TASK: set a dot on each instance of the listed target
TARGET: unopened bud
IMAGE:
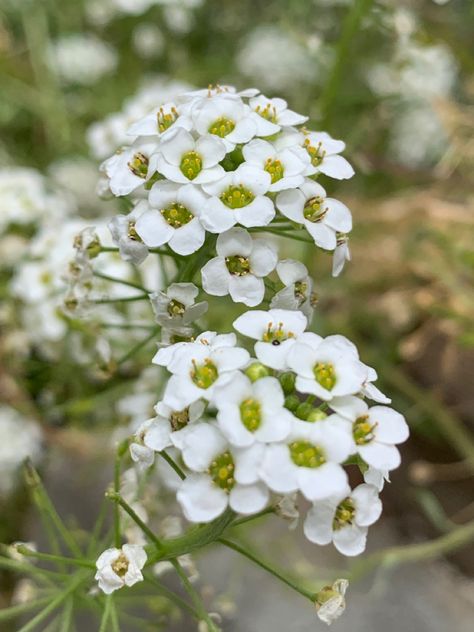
(330, 602)
(287, 381)
(292, 402)
(316, 415)
(256, 370)
(303, 411)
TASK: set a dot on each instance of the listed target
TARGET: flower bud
(304, 410)
(316, 415)
(256, 370)
(287, 381)
(292, 402)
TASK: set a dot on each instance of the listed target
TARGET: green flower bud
(287, 381)
(303, 411)
(292, 402)
(316, 415)
(257, 370)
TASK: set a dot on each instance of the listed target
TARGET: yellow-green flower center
(191, 164)
(363, 430)
(176, 215)
(301, 289)
(179, 419)
(120, 566)
(204, 375)
(221, 471)
(344, 514)
(275, 169)
(237, 265)
(276, 334)
(164, 120)
(314, 210)
(325, 375)
(251, 414)
(175, 308)
(132, 233)
(306, 454)
(222, 126)
(237, 196)
(315, 153)
(268, 112)
(138, 165)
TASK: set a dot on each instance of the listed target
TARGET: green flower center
(315, 153)
(221, 126)
(164, 120)
(306, 454)
(276, 334)
(191, 164)
(344, 515)
(221, 471)
(237, 196)
(138, 165)
(314, 210)
(120, 566)
(175, 308)
(325, 375)
(362, 430)
(237, 265)
(268, 112)
(179, 419)
(132, 233)
(301, 289)
(177, 215)
(250, 414)
(275, 169)
(204, 375)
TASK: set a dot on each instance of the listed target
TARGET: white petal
(291, 204)
(235, 241)
(246, 289)
(336, 167)
(248, 499)
(216, 277)
(338, 216)
(216, 217)
(260, 212)
(351, 540)
(324, 236)
(277, 470)
(322, 482)
(200, 499)
(230, 423)
(349, 407)
(263, 258)
(173, 149)
(318, 523)
(157, 437)
(211, 148)
(391, 426)
(202, 444)
(291, 271)
(380, 456)
(188, 238)
(247, 463)
(153, 229)
(274, 356)
(367, 503)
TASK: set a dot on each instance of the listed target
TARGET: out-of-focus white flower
(81, 58)
(344, 519)
(120, 567)
(240, 267)
(123, 231)
(148, 40)
(20, 438)
(177, 307)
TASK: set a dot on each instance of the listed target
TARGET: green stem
(106, 614)
(114, 617)
(112, 279)
(245, 519)
(201, 611)
(121, 299)
(138, 521)
(15, 611)
(170, 595)
(66, 621)
(44, 503)
(267, 567)
(282, 233)
(172, 463)
(349, 29)
(139, 346)
(48, 557)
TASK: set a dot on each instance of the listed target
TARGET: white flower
(239, 267)
(226, 117)
(122, 229)
(182, 159)
(271, 115)
(120, 567)
(341, 254)
(344, 519)
(238, 197)
(330, 602)
(326, 367)
(177, 307)
(287, 508)
(174, 218)
(163, 121)
(222, 475)
(322, 217)
(285, 167)
(81, 58)
(275, 331)
(156, 434)
(375, 431)
(129, 169)
(298, 291)
(308, 460)
(199, 367)
(377, 478)
(248, 412)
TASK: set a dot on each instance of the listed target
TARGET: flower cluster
(286, 421)
(214, 159)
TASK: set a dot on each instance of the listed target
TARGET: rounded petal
(230, 423)
(324, 236)
(247, 463)
(322, 482)
(336, 167)
(277, 470)
(246, 289)
(216, 277)
(174, 148)
(248, 499)
(291, 271)
(235, 241)
(318, 523)
(391, 426)
(263, 258)
(350, 540)
(338, 216)
(157, 437)
(260, 212)
(274, 356)
(188, 238)
(202, 444)
(216, 217)
(291, 204)
(200, 499)
(153, 229)
(380, 455)
(368, 504)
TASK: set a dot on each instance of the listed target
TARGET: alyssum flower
(176, 308)
(120, 567)
(239, 267)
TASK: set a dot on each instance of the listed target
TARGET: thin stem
(170, 595)
(282, 233)
(121, 299)
(112, 279)
(66, 621)
(267, 567)
(15, 611)
(245, 519)
(155, 251)
(138, 521)
(172, 463)
(194, 596)
(43, 501)
(114, 617)
(138, 346)
(47, 557)
(106, 614)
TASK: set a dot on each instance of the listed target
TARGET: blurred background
(394, 80)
